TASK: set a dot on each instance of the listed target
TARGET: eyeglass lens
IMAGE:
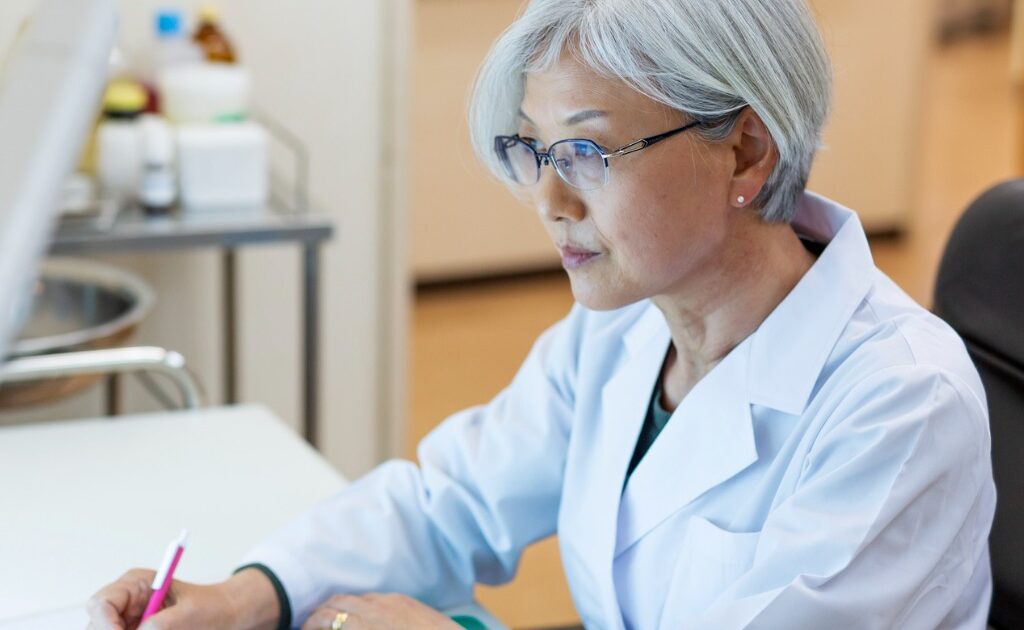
(519, 159)
(578, 162)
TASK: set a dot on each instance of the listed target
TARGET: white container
(204, 93)
(119, 159)
(222, 165)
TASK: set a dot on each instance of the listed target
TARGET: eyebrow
(575, 119)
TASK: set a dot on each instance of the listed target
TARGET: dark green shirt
(657, 418)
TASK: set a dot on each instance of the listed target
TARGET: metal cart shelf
(226, 230)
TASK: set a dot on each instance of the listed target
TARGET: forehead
(569, 86)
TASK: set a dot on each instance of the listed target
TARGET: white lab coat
(832, 471)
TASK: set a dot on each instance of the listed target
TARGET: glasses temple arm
(643, 143)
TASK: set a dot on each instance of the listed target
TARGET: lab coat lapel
(624, 401)
(625, 398)
(708, 440)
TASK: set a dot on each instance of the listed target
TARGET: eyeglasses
(581, 163)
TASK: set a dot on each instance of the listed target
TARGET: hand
(119, 606)
(375, 611)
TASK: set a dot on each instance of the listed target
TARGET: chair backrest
(980, 292)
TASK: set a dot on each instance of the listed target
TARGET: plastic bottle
(173, 47)
(118, 67)
(211, 39)
(119, 141)
(157, 183)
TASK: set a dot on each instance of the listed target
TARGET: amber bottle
(211, 39)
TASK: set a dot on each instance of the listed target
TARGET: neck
(724, 301)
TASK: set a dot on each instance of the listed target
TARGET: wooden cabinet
(869, 159)
(464, 223)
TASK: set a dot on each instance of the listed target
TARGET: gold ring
(339, 621)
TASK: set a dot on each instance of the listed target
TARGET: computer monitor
(50, 88)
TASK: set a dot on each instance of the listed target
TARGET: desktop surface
(86, 500)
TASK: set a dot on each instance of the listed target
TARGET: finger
(103, 615)
(323, 618)
(319, 619)
(392, 599)
(122, 602)
(174, 616)
(348, 603)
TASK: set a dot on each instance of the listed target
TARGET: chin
(598, 298)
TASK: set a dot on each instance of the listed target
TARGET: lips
(576, 257)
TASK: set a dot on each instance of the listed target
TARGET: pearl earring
(741, 199)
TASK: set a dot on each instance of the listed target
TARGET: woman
(742, 423)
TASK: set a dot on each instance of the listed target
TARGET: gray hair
(706, 58)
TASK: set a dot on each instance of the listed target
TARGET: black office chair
(980, 292)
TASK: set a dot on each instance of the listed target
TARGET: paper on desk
(73, 618)
(76, 617)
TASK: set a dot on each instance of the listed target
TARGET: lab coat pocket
(710, 560)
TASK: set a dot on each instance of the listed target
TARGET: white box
(204, 92)
(222, 165)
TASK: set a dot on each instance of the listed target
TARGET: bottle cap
(124, 98)
(168, 22)
(209, 13)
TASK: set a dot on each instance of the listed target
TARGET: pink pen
(164, 577)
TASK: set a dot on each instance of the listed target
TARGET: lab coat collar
(789, 350)
(777, 366)
(790, 347)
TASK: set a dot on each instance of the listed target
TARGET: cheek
(648, 225)
(663, 211)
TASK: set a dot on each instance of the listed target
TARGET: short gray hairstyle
(706, 58)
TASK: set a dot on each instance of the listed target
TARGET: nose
(555, 200)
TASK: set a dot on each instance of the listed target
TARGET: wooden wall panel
(466, 224)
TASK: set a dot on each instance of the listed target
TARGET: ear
(755, 158)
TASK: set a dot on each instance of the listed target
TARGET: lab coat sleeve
(489, 483)
(889, 518)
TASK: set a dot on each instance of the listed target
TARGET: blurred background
(434, 281)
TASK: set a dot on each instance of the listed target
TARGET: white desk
(79, 509)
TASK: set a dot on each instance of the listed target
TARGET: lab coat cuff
(299, 588)
(284, 621)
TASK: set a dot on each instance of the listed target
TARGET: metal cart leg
(113, 395)
(310, 335)
(230, 328)
(310, 341)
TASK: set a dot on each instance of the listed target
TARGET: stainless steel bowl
(77, 305)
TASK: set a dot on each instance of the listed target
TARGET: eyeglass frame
(544, 157)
